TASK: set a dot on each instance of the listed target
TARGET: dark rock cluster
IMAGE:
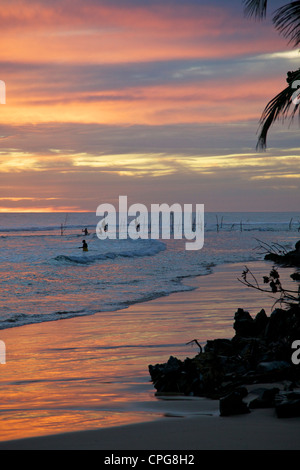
(292, 258)
(259, 353)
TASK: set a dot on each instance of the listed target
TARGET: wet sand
(260, 430)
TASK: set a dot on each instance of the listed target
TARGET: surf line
(162, 221)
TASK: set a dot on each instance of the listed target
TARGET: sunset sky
(156, 100)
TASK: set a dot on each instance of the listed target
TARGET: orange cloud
(94, 33)
(210, 100)
(44, 37)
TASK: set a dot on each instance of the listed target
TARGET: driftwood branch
(274, 248)
(196, 342)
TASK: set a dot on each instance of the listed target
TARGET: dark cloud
(68, 79)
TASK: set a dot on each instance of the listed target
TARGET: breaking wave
(143, 248)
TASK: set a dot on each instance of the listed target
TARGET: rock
(172, 365)
(277, 325)
(166, 377)
(295, 276)
(193, 377)
(271, 366)
(251, 351)
(261, 321)
(266, 398)
(272, 371)
(223, 347)
(292, 258)
(283, 326)
(232, 404)
(260, 352)
(287, 404)
(244, 324)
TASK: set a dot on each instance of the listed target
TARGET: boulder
(287, 404)
(233, 404)
(260, 352)
(223, 347)
(277, 325)
(295, 276)
(272, 366)
(261, 321)
(265, 399)
(244, 324)
(166, 377)
(292, 258)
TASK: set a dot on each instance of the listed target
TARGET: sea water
(46, 276)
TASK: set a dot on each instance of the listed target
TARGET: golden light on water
(86, 372)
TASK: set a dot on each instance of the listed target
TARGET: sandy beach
(144, 421)
(260, 430)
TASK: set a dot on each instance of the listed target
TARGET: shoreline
(259, 430)
(158, 422)
(261, 266)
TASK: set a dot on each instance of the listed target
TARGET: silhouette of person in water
(85, 231)
(84, 246)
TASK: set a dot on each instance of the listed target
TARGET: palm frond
(278, 107)
(287, 21)
(257, 8)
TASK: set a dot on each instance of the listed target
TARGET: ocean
(45, 275)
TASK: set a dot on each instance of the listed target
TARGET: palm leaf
(257, 8)
(287, 21)
(277, 108)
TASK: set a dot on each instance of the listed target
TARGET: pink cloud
(95, 33)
